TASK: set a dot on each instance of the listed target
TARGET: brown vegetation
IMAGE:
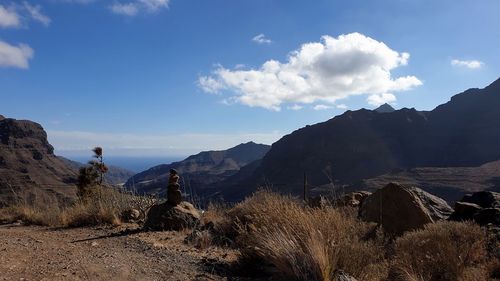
(300, 242)
(305, 243)
(104, 205)
(442, 251)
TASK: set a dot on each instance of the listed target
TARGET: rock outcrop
(481, 207)
(485, 199)
(166, 216)
(464, 211)
(29, 170)
(399, 208)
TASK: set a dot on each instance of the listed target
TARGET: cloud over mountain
(325, 71)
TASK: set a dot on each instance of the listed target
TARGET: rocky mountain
(385, 108)
(29, 170)
(364, 144)
(199, 171)
(114, 176)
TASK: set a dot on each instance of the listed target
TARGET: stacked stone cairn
(174, 195)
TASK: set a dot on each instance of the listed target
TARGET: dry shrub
(305, 243)
(200, 239)
(442, 251)
(105, 206)
(32, 215)
(220, 224)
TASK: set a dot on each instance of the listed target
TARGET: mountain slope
(28, 166)
(365, 143)
(199, 171)
(450, 183)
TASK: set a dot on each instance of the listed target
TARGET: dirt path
(40, 253)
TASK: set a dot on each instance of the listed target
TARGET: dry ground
(42, 253)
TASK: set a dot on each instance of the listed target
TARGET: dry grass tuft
(31, 215)
(443, 251)
(305, 243)
(105, 206)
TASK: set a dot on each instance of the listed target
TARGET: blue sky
(170, 78)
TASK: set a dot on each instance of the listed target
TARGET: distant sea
(134, 164)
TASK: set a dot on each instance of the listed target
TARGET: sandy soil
(41, 253)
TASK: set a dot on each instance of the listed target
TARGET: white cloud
(342, 106)
(380, 99)
(77, 1)
(127, 144)
(210, 85)
(15, 56)
(261, 39)
(129, 9)
(36, 14)
(17, 15)
(154, 5)
(471, 64)
(9, 17)
(132, 8)
(321, 107)
(325, 71)
(295, 107)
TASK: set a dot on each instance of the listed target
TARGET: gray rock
(401, 208)
(343, 276)
(131, 215)
(464, 211)
(485, 199)
(171, 217)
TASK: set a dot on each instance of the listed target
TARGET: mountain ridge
(200, 170)
(363, 144)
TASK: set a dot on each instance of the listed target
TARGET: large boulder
(166, 216)
(464, 211)
(437, 207)
(399, 208)
(485, 199)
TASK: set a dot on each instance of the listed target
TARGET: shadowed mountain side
(198, 171)
(364, 144)
(28, 166)
(448, 183)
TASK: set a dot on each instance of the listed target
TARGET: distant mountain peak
(1, 117)
(385, 108)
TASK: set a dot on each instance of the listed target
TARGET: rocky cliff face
(28, 167)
